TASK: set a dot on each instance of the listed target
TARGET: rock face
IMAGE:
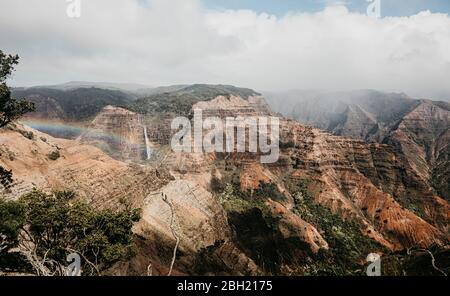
(233, 106)
(373, 183)
(118, 132)
(366, 182)
(365, 114)
(88, 171)
(419, 129)
(226, 213)
(184, 216)
(291, 226)
(423, 135)
(184, 210)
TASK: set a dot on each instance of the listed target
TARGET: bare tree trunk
(174, 233)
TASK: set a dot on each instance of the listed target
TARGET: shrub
(348, 246)
(53, 226)
(216, 185)
(12, 218)
(5, 177)
(27, 134)
(54, 155)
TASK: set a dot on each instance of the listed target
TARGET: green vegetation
(264, 243)
(417, 262)
(77, 104)
(216, 185)
(441, 174)
(54, 155)
(348, 246)
(27, 134)
(233, 200)
(180, 101)
(10, 108)
(48, 227)
(12, 218)
(255, 228)
(5, 177)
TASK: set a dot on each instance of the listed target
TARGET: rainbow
(74, 130)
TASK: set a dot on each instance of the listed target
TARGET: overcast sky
(257, 44)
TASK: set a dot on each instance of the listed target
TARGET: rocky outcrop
(291, 226)
(41, 161)
(355, 180)
(417, 129)
(423, 136)
(187, 210)
(233, 106)
(118, 132)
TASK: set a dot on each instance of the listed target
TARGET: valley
(375, 182)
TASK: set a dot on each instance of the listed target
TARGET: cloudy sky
(262, 44)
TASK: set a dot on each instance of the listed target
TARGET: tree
(10, 108)
(12, 219)
(56, 225)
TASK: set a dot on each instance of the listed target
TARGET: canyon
(332, 198)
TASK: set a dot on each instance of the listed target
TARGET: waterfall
(148, 150)
(147, 143)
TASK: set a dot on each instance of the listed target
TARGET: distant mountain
(65, 110)
(362, 114)
(75, 104)
(179, 99)
(418, 128)
(78, 101)
(129, 87)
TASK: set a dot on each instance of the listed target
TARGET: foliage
(54, 225)
(180, 101)
(79, 103)
(418, 262)
(5, 177)
(256, 228)
(27, 134)
(269, 190)
(10, 109)
(216, 185)
(233, 200)
(54, 155)
(348, 246)
(12, 218)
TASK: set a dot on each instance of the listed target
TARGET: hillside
(365, 189)
(179, 100)
(76, 104)
(418, 128)
(41, 161)
(364, 114)
(325, 205)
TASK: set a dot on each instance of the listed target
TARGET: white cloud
(179, 41)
